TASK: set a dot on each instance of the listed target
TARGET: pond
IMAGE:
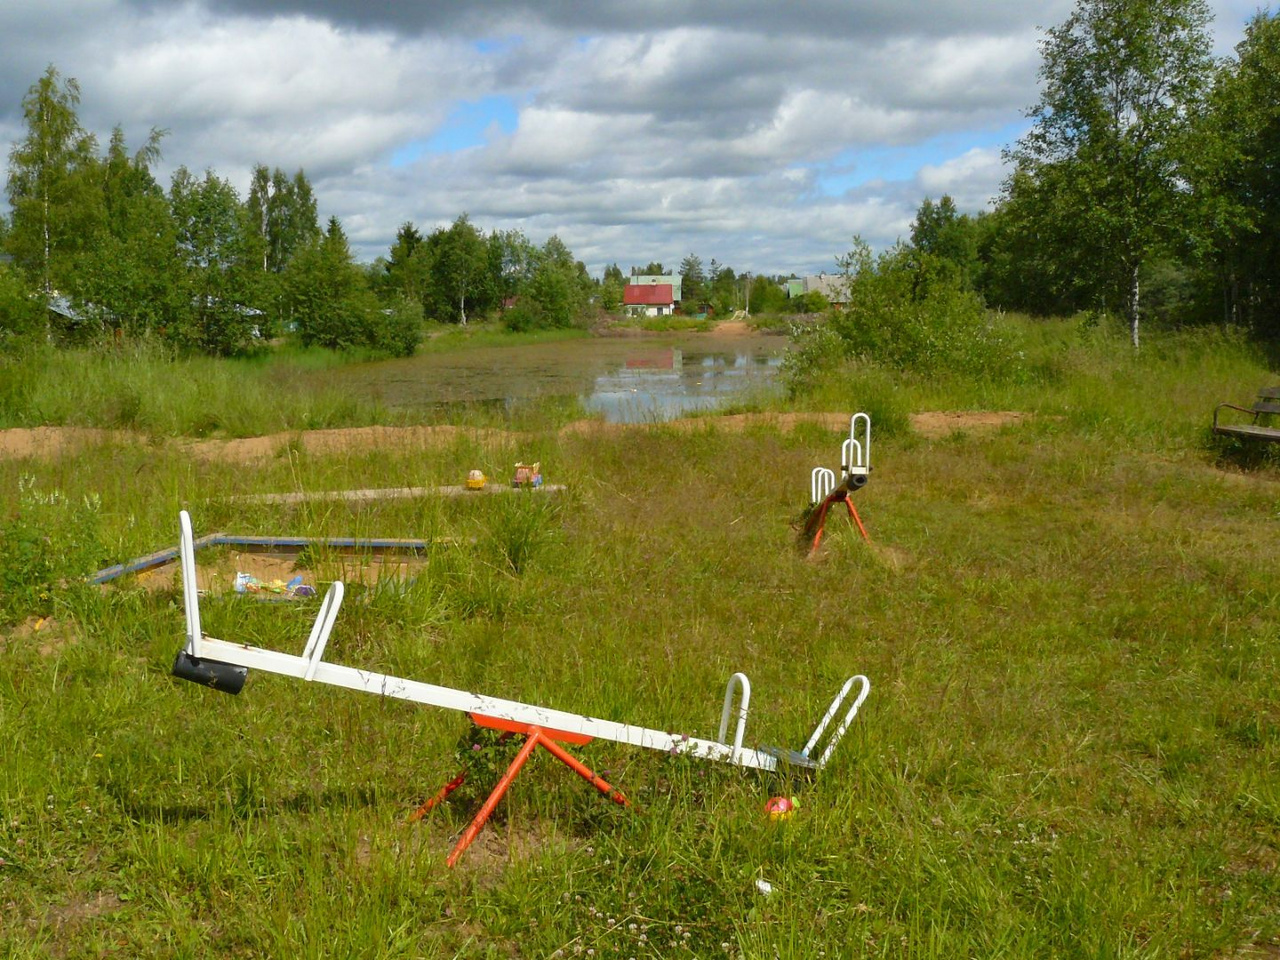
(624, 380)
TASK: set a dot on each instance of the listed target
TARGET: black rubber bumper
(210, 673)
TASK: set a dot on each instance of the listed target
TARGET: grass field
(1070, 749)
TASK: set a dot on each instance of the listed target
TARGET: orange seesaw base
(839, 494)
(534, 737)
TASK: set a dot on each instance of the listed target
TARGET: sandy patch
(21, 442)
(344, 440)
(54, 441)
(86, 907)
(49, 634)
(935, 424)
(219, 576)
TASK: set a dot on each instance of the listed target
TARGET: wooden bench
(1266, 406)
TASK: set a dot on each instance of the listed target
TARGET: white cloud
(972, 178)
(645, 130)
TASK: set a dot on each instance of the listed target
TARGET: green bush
(22, 314)
(48, 539)
(524, 315)
(907, 310)
(399, 331)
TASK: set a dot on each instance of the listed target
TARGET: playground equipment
(223, 665)
(855, 470)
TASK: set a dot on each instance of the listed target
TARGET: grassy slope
(1069, 750)
(141, 387)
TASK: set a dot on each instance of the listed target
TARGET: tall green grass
(1078, 372)
(1070, 625)
(143, 387)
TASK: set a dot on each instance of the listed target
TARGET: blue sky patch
(464, 128)
(496, 45)
(857, 167)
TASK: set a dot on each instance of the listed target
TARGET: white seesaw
(855, 470)
(224, 666)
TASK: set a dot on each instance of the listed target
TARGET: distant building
(833, 286)
(648, 300)
(651, 280)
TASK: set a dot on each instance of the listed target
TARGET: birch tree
(56, 205)
(1112, 137)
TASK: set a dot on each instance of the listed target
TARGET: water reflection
(659, 385)
(621, 380)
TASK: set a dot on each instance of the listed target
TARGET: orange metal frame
(842, 493)
(535, 737)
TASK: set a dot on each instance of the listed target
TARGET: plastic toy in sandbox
(223, 665)
(527, 475)
(855, 470)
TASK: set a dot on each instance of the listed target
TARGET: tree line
(1148, 185)
(97, 236)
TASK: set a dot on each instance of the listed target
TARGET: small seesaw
(224, 665)
(855, 470)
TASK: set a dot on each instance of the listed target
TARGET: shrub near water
(142, 385)
(907, 310)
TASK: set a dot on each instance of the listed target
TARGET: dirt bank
(53, 442)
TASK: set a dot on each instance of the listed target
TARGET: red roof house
(652, 300)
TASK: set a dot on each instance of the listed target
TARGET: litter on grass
(248, 583)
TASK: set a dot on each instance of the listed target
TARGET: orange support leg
(585, 772)
(856, 519)
(534, 737)
(820, 518)
(444, 792)
(486, 811)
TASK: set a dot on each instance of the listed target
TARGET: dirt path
(53, 442)
(934, 424)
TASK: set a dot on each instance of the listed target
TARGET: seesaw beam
(449, 698)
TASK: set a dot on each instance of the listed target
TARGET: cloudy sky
(761, 133)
